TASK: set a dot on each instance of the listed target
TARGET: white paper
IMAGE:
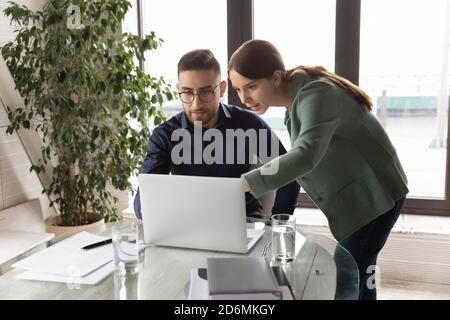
(14, 243)
(66, 258)
(198, 288)
(92, 278)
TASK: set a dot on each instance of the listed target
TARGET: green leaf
(82, 90)
(95, 133)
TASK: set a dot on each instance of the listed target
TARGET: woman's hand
(245, 184)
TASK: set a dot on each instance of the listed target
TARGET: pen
(97, 244)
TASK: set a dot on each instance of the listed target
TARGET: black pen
(97, 244)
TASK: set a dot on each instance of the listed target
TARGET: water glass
(283, 237)
(126, 287)
(125, 239)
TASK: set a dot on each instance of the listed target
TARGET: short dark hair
(201, 59)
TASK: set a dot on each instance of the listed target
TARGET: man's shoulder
(169, 125)
(241, 114)
(236, 110)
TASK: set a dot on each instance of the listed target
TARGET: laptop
(195, 212)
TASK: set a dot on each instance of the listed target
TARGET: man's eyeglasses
(204, 95)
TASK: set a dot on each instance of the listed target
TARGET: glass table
(322, 270)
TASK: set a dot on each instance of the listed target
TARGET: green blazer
(340, 154)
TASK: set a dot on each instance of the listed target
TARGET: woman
(340, 153)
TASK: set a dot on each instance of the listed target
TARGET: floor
(398, 289)
(404, 290)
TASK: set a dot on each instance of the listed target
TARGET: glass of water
(125, 239)
(126, 288)
(283, 237)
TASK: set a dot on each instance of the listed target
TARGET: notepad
(92, 278)
(199, 290)
(66, 257)
(242, 278)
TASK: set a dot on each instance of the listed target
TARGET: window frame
(240, 28)
(347, 55)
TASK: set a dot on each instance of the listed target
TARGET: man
(218, 140)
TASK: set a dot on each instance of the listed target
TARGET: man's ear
(178, 86)
(276, 77)
(223, 87)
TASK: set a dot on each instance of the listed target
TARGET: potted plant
(86, 96)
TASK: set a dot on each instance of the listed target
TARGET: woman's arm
(245, 184)
(316, 107)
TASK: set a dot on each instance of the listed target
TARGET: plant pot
(52, 225)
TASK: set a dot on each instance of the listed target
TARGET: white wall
(17, 184)
(6, 30)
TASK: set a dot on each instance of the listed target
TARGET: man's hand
(245, 184)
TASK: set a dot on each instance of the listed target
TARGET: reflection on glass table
(321, 270)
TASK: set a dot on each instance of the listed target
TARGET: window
(303, 31)
(130, 22)
(397, 50)
(184, 26)
(404, 68)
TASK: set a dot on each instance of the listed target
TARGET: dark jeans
(366, 243)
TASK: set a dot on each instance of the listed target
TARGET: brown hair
(257, 59)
